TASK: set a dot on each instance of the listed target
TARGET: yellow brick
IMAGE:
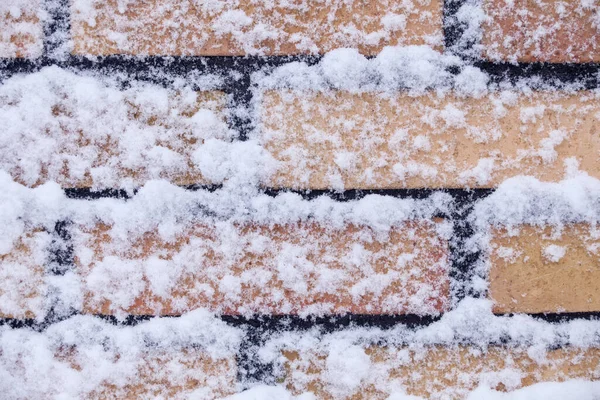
(79, 143)
(282, 269)
(536, 31)
(169, 27)
(372, 140)
(438, 372)
(532, 270)
(21, 33)
(172, 373)
(22, 275)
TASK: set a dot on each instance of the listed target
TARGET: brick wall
(197, 95)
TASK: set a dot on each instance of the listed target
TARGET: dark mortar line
(294, 323)
(452, 31)
(13, 66)
(61, 249)
(90, 194)
(161, 70)
(57, 28)
(559, 317)
(463, 261)
(288, 322)
(16, 323)
(235, 71)
(327, 324)
(122, 194)
(240, 102)
(554, 75)
(461, 196)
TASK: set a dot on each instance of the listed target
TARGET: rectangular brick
(169, 27)
(339, 139)
(535, 269)
(21, 34)
(541, 31)
(282, 269)
(22, 270)
(173, 373)
(434, 372)
(149, 139)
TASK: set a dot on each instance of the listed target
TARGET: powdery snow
(65, 128)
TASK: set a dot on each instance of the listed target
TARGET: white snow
(21, 19)
(56, 125)
(554, 253)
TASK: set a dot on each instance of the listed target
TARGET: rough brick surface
(168, 27)
(22, 270)
(120, 138)
(21, 29)
(282, 269)
(170, 373)
(340, 139)
(545, 31)
(534, 269)
(436, 372)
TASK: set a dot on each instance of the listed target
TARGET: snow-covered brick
(550, 269)
(353, 139)
(301, 268)
(543, 31)
(84, 131)
(21, 33)
(231, 27)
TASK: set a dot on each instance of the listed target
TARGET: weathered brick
(172, 373)
(435, 372)
(339, 139)
(22, 269)
(21, 29)
(281, 269)
(538, 269)
(168, 27)
(541, 31)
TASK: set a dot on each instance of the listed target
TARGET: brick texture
(20, 30)
(173, 373)
(436, 372)
(541, 31)
(169, 27)
(339, 139)
(282, 269)
(22, 287)
(533, 270)
(122, 152)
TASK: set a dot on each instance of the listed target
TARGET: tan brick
(115, 153)
(21, 29)
(169, 27)
(535, 269)
(541, 31)
(282, 269)
(437, 372)
(22, 269)
(369, 140)
(173, 373)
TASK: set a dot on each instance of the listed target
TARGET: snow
(252, 27)
(21, 19)
(579, 389)
(56, 120)
(103, 354)
(65, 128)
(554, 253)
